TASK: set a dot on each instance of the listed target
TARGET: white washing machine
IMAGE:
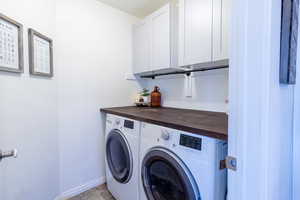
(122, 157)
(176, 165)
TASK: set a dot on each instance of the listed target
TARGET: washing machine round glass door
(166, 177)
(119, 157)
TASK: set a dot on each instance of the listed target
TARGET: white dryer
(122, 157)
(176, 165)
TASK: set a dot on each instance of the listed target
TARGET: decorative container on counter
(156, 97)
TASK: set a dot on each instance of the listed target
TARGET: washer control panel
(129, 124)
(191, 142)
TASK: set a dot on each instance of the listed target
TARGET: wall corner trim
(80, 189)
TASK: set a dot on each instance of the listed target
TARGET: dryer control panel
(191, 142)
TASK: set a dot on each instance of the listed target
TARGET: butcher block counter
(210, 124)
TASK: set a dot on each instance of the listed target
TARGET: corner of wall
(80, 189)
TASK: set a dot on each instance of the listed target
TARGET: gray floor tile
(98, 193)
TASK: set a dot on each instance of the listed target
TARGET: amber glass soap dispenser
(156, 98)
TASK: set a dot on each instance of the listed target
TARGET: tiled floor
(98, 193)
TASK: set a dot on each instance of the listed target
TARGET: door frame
(253, 85)
(296, 139)
(296, 136)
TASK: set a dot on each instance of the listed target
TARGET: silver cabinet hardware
(229, 163)
(7, 154)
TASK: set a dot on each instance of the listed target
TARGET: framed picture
(289, 41)
(40, 54)
(11, 45)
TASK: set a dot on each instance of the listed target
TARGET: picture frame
(11, 45)
(40, 54)
(289, 41)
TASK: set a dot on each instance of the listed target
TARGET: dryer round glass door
(119, 157)
(166, 177)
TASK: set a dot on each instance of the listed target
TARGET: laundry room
(148, 100)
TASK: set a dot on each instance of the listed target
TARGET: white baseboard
(80, 189)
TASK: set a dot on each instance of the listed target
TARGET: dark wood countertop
(211, 124)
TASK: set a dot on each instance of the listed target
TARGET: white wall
(91, 61)
(209, 90)
(28, 115)
(93, 55)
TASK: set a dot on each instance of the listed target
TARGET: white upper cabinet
(184, 32)
(221, 29)
(155, 41)
(195, 31)
(141, 47)
(203, 31)
(160, 39)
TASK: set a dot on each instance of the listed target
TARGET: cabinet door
(221, 29)
(141, 47)
(160, 39)
(195, 23)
